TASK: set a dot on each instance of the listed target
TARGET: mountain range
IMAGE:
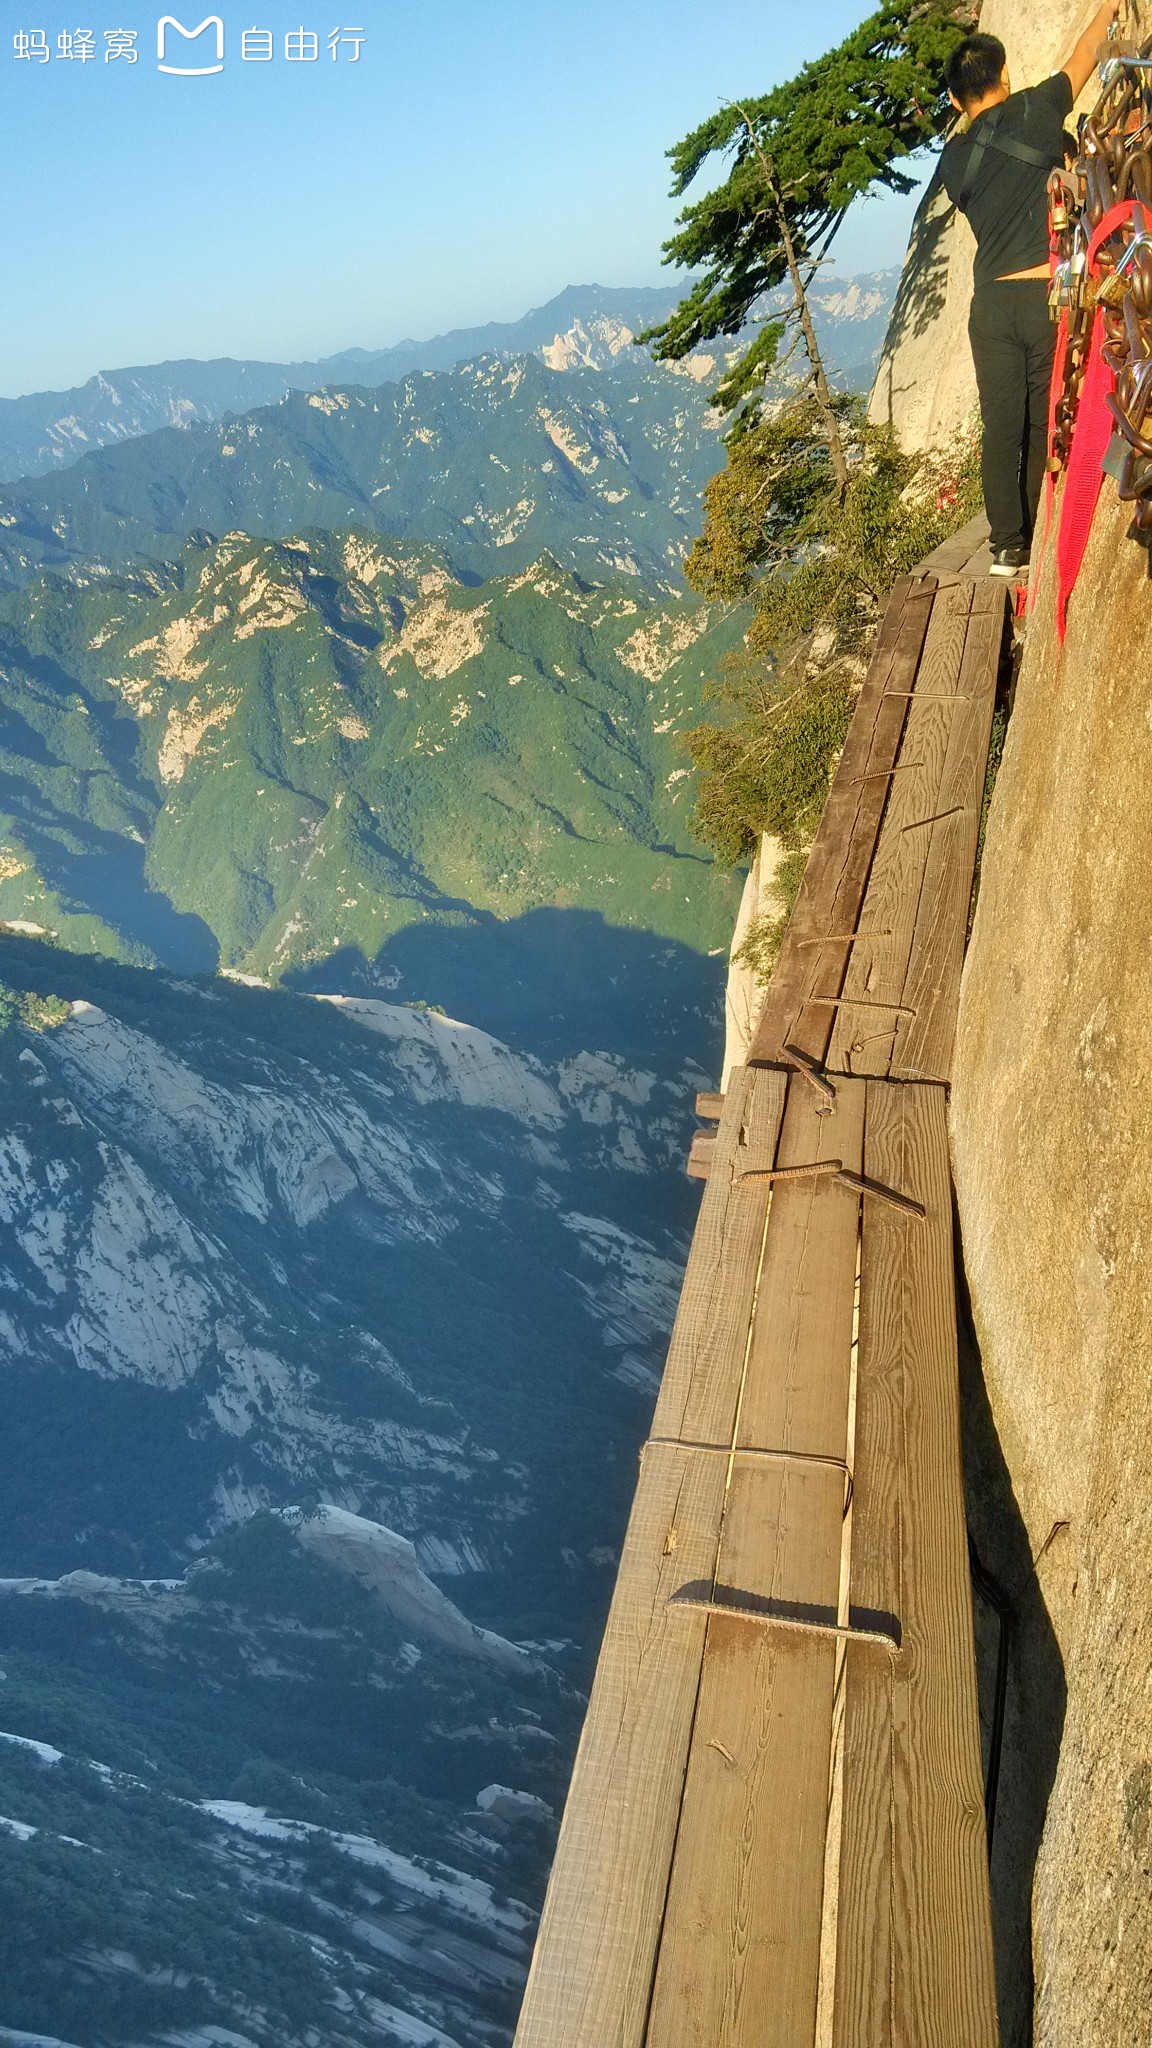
(494, 461)
(47, 430)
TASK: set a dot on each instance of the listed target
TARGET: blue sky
(481, 155)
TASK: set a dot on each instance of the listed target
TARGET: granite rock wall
(1052, 1142)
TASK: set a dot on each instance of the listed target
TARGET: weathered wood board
(702, 1379)
(595, 1957)
(739, 1957)
(799, 1358)
(914, 1962)
(808, 975)
(923, 1047)
(913, 919)
(956, 555)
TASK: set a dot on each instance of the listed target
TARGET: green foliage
(760, 946)
(767, 771)
(776, 529)
(817, 568)
(844, 125)
(115, 1922)
(774, 500)
(34, 1012)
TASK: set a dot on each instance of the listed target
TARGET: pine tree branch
(823, 392)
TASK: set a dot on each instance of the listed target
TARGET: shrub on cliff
(817, 566)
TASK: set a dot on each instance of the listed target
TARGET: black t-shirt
(1006, 202)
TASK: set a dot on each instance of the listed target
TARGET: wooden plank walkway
(914, 1959)
(774, 1835)
(869, 973)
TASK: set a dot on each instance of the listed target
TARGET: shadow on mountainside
(1036, 1695)
(71, 784)
(551, 982)
(923, 283)
(101, 874)
(493, 1319)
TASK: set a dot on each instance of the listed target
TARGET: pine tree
(801, 154)
(816, 512)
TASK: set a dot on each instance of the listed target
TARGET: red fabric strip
(1085, 474)
(1113, 219)
(1092, 433)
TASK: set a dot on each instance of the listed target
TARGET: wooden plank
(811, 917)
(923, 1046)
(979, 564)
(914, 1951)
(701, 1156)
(739, 1959)
(710, 1106)
(951, 556)
(705, 1368)
(595, 1953)
(921, 881)
(799, 1359)
(862, 1040)
(592, 1970)
(834, 881)
(844, 840)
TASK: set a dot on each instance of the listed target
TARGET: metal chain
(1114, 163)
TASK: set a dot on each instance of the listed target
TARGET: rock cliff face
(1050, 1125)
(1051, 1130)
(744, 988)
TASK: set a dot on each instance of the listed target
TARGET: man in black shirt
(997, 174)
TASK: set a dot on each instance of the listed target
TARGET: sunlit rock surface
(1052, 1135)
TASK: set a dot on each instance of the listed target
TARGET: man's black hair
(974, 68)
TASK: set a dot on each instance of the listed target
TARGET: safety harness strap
(987, 137)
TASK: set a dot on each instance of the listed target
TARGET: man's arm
(1082, 63)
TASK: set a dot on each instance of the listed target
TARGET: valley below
(330, 1330)
(358, 971)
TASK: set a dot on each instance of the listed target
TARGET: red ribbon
(1090, 438)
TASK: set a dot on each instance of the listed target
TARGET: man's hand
(1082, 63)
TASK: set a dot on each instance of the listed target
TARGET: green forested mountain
(281, 755)
(495, 462)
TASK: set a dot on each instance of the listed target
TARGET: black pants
(1013, 342)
